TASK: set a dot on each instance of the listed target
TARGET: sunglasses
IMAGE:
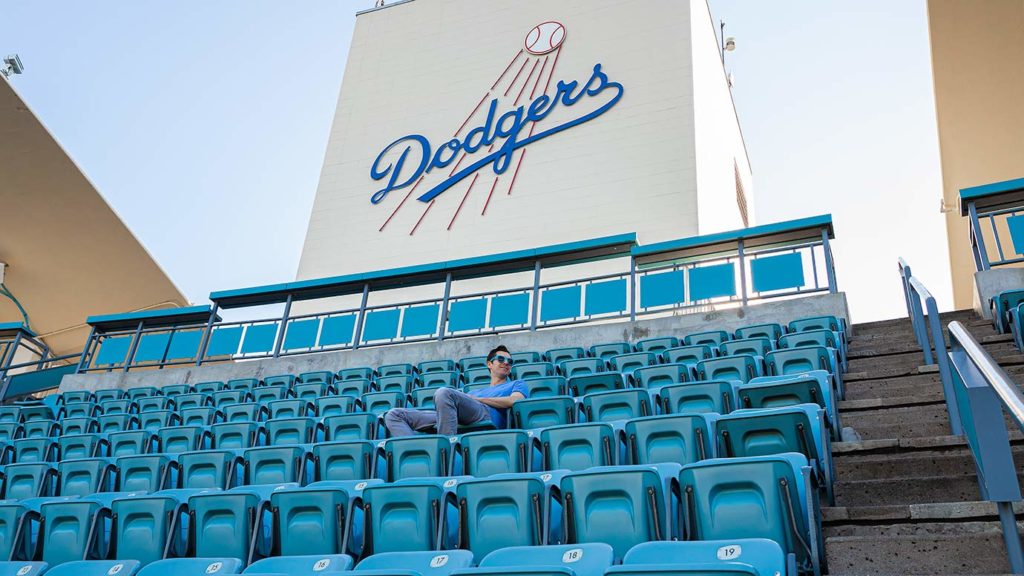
(503, 360)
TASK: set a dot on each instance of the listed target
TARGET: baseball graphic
(545, 37)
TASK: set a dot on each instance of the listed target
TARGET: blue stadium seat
(579, 386)
(806, 359)
(767, 431)
(130, 443)
(657, 345)
(355, 426)
(310, 392)
(437, 378)
(317, 377)
(437, 366)
(178, 439)
(348, 460)
(423, 398)
(1001, 305)
(154, 403)
(713, 338)
(493, 452)
(80, 425)
(94, 568)
(737, 557)
(229, 397)
(628, 363)
(290, 408)
(581, 367)
(205, 416)
(606, 351)
(176, 389)
(545, 387)
(80, 410)
(227, 523)
(68, 529)
(110, 423)
(770, 502)
(380, 402)
(478, 375)
(81, 445)
(578, 446)
(10, 431)
(689, 355)
(208, 469)
(284, 431)
(148, 528)
(107, 407)
(286, 380)
(235, 435)
(804, 388)
(543, 412)
(501, 511)
(826, 338)
(591, 559)
(531, 370)
(637, 509)
(144, 472)
(105, 394)
(832, 323)
(472, 363)
(29, 450)
(40, 428)
(673, 438)
(268, 394)
(558, 355)
(401, 383)
(212, 566)
(236, 384)
(654, 377)
(423, 455)
(396, 370)
(415, 563)
(10, 414)
(335, 405)
(76, 396)
(84, 476)
(274, 465)
(617, 405)
(324, 518)
(754, 346)
(354, 387)
(156, 419)
(771, 331)
(315, 565)
(716, 396)
(363, 373)
(245, 412)
(741, 367)
(212, 387)
(195, 400)
(527, 357)
(141, 392)
(404, 517)
(32, 480)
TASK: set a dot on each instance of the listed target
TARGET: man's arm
(501, 402)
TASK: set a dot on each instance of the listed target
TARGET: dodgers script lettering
(403, 161)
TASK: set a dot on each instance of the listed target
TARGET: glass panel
(113, 351)
(151, 347)
(224, 341)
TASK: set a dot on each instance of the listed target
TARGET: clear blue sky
(204, 125)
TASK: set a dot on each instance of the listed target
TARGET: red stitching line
(466, 195)
(509, 89)
(511, 62)
(489, 194)
(525, 84)
(381, 229)
(422, 216)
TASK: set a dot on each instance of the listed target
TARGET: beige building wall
(978, 69)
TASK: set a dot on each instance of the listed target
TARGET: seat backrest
(81, 410)
(286, 380)
(526, 357)
(354, 387)
(802, 359)
(40, 428)
(477, 375)
(395, 370)
(579, 386)
(590, 559)
(213, 387)
(348, 460)
(716, 396)
(245, 412)
(111, 407)
(402, 517)
(229, 397)
(80, 445)
(234, 435)
(543, 412)
(753, 556)
(355, 426)
(268, 394)
(653, 377)
(581, 367)
(311, 520)
(832, 323)
(143, 473)
(494, 452)
(771, 331)
(712, 338)
(558, 355)
(154, 403)
(631, 513)
(380, 402)
(754, 346)
(499, 512)
(825, 338)
(211, 566)
(154, 420)
(194, 400)
(438, 378)
(84, 476)
(317, 377)
(207, 469)
(281, 431)
(657, 345)
(29, 480)
(141, 392)
(423, 398)
(606, 351)
(79, 425)
(676, 438)
(129, 443)
(28, 450)
(417, 456)
(545, 387)
(437, 366)
(9, 431)
(105, 394)
(472, 363)
(273, 464)
(769, 431)
(313, 565)
(176, 389)
(290, 408)
(773, 391)
(146, 527)
(204, 416)
(689, 355)
(362, 373)
(396, 383)
(334, 405)
(178, 439)
(578, 446)
(423, 563)
(627, 363)
(617, 405)
(110, 423)
(220, 523)
(532, 370)
(310, 392)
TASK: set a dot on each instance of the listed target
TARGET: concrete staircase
(907, 501)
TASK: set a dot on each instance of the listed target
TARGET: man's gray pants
(453, 407)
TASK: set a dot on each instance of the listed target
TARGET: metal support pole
(536, 295)
(444, 307)
(632, 288)
(205, 343)
(743, 271)
(945, 375)
(135, 346)
(83, 360)
(830, 267)
(1011, 537)
(979, 238)
(904, 277)
(284, 324)
(167, 347)
(361, 317)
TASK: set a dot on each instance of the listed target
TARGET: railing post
(9, 354)
(1011, 537)
(830, 269)
(632, 288)
(904, 276)
(444, 307)
(979, 238)
(536, 295)
(167, 347)
(945, 376)
(741, 255)
(207, 332)
(135, 346)
(284, 324)
(83, 359)
(362, 316)
(919, 324)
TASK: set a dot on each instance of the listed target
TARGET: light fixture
(12, 65)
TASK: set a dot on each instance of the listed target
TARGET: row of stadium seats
(760, 497)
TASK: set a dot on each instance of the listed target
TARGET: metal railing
(982, 391)
(36, 377)
(927, 326)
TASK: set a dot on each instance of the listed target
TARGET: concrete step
(899, 422)
(941, 538)
(916, 384)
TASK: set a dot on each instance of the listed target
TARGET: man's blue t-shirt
(500, 417)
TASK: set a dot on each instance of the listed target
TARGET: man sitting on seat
(454, 407)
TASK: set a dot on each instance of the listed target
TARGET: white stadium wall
(431, 68)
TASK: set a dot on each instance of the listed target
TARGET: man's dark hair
(494, 352)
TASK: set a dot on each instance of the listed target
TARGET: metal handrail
(1007, 391)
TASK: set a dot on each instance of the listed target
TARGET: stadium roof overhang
(68, 253)
(992, 197)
